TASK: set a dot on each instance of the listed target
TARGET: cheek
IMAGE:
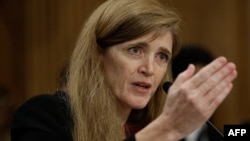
(116, 73)
(116, 65)
(113, 67)
(160, 75)
(111, 72)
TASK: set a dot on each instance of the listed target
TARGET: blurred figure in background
(5, 114)
(190, 54)
(200, 57)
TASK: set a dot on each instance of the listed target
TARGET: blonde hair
(93, 106)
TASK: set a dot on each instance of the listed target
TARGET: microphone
(166, 86)
(216, 134)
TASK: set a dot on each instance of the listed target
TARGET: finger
(206, 72)
(220, 78)
(220, 98)
(216, 96)
(222, 88)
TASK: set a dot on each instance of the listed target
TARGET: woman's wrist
(158, 130)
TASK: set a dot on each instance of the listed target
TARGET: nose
(147, 67)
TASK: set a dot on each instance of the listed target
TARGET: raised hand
(192, 99)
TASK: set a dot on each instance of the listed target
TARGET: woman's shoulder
(44, 114)
(59, 97)
(55, 105)
(45, 97)
(47, 102)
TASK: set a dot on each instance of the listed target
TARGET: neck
(124, 113)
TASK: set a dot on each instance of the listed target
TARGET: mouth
(142, 87)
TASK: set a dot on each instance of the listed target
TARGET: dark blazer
(44, 118)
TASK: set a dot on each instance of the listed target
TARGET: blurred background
(38, 36)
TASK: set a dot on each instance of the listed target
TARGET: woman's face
(134, 69)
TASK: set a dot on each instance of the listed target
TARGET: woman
(114, 82)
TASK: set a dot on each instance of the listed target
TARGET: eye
(135, 50)
(163, 57)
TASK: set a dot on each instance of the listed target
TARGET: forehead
(164, 39)
(152, 35)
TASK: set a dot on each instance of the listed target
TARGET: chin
(139, 105)
(138, 102)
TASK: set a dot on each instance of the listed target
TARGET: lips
(141, 87)
(142, 84)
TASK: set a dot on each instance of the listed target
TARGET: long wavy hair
(94, 108)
